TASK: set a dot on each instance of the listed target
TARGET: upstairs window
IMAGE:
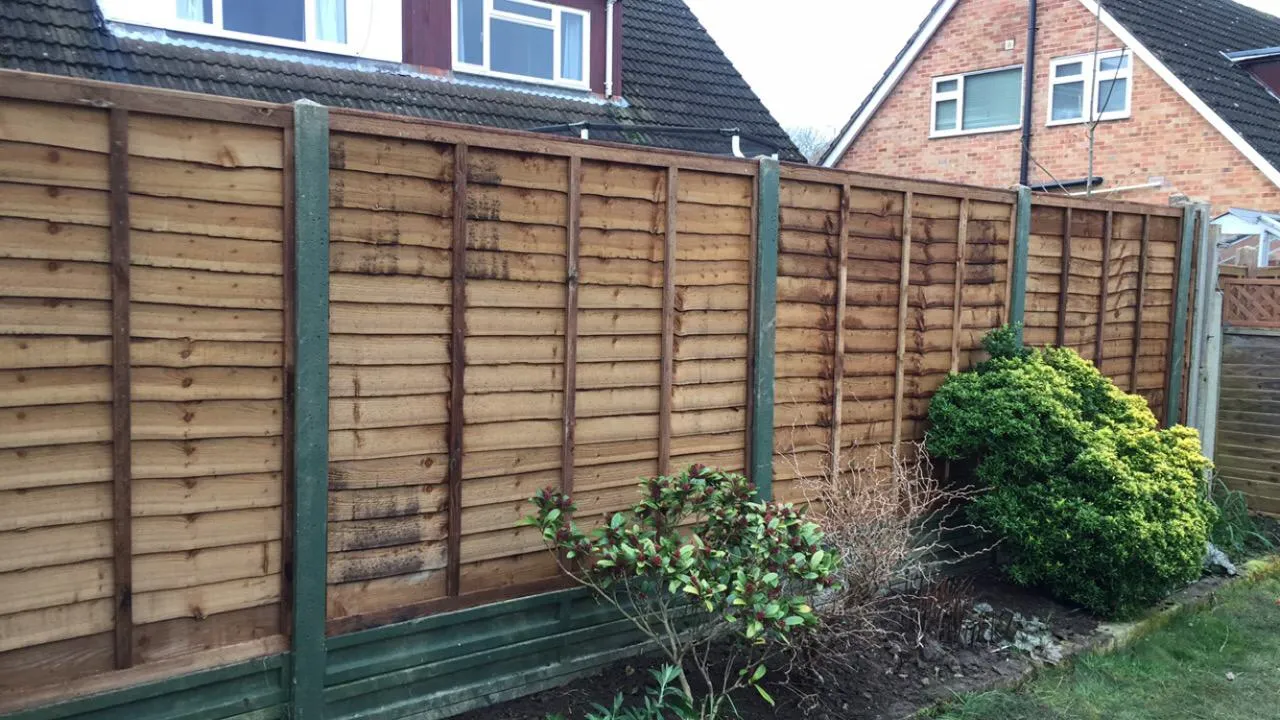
(977, 102)
(1085, 88)
(522, 40)
(304, 21)
(359, 28)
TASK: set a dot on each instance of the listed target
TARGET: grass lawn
(1180, 671)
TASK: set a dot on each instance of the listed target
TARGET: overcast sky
(813, 64)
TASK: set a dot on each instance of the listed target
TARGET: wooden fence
(277, 382)
(1247, 453)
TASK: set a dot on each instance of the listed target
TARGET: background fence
(209, 307)
(1247, 452)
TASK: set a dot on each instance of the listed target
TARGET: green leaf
(553, 515)
(767, 697)
(759, 673)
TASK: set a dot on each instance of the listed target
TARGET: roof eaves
(887, 82)
(1245, 56)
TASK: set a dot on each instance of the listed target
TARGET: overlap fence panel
(504, 312)
(1101, 281)
(884, 286)
(142, 360)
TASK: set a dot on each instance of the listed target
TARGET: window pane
(945, 118)
(197, 10)
(1114, 63)
(1068, 101)
(571, 46)
(520, 8)
(1111, 95)
(1069, 69)
(284, 19)
(331, 20)
(471, 31)
(992, 99)
(947, 86)
(522, 49)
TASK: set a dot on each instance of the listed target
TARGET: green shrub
(1090, 498)
(697, 562)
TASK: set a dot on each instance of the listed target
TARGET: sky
(813, 64)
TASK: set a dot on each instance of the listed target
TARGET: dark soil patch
(893, 680)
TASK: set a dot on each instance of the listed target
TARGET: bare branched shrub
(892, 519)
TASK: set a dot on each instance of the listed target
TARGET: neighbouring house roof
(674, 74)
(1184, 42)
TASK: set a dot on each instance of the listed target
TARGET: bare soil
(891, 680)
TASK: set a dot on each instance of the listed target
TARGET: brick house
(1182, 96)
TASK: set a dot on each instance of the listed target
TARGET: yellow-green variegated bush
(1092, 501)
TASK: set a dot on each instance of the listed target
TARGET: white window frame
(1093, 79)
(958, 96)
(171, 21)
(554, 24)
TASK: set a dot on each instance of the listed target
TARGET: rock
(1231, 676)
(1217, 561)
(924, 682)
(867, 696)
(983, 608)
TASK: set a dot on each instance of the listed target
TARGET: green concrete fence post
(310, 406)
(765, 322)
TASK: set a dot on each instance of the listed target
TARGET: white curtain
(331, 20)
(192, 10)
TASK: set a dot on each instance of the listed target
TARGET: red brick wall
(1165, 137)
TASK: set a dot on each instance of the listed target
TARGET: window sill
(479, 71)
(964, 133)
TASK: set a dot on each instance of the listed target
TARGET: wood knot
(54, 156)
(53, 192)
(187, 382)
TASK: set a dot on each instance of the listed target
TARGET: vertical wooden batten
(1064, 282)
(572, 248)
(837, 365)
(121, 391)
(311, 406)
(957, 319)
(764, 323)
(668, 323)
(1142, 297)
(288, 301)
(1108, 229)
(457, 368)
(1018, 262)
(752, 262)
(904, 288)
(1178, 318)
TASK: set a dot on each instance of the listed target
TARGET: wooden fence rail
(278, 381)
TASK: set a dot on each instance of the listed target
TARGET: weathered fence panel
(505, 312)
(142, 360)
(1247, 452)
(1101, 281)
(884, 288)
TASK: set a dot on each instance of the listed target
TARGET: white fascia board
(1237, 141)
(882, 93)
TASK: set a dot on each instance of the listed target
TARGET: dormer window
(522, 40)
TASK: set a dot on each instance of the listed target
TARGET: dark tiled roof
(673, 74)
(1189, 37)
